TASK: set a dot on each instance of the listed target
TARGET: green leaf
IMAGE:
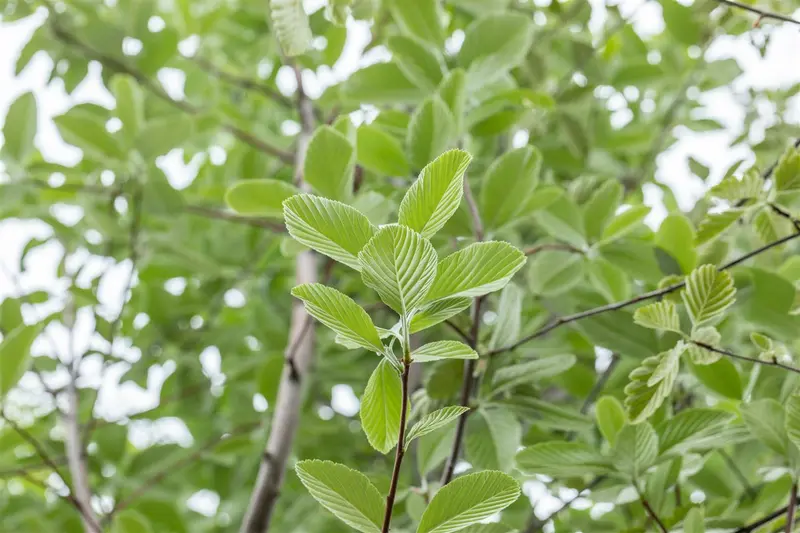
(508, 184)
(437, 312)
(434, 421)
(694, 521)
(130, 105)
(19, 128)
(559, 458)
(610, 281)
(430, 131)
(340, 313)
(720, 377)
(698, 354)
(130, 521)
(675, 235)
(509, 317)
(380, 152)
(625, 222)
(708, 293)
(452, 93)
(161, 135)
(346, 493)
(650, 384)
(467, 500)
(434, 351)
(400, 265)
(766, 421)
(436, 194)
(787, 173)
(553, 272)
(493, 436)
(698, 169)
(601, 207)
(716, 224)
(563, 220)
(610, 417)
(381, 83)
(418, 62)
(734, 189)
(419, 18)
(329, 164)
(434, 448)
(793, 419)
(329, 227)
(87, 131)
(681, 23)
(660, 315)
(512, 376)
(380, 407)
(636, 449)
(692, 430)
(15, 355)
(493, 45)
(476, 270)
(290, 23)
(262, 197)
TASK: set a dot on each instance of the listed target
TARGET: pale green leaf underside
(641, 398)
(290, 23)
(380, 407)
(346, 493)
(636, 449)
(435, 420)
(434, 351)
(400, 265)
(340, 313)
(690, 429)
(467, 500)
(329, 227)
(263, 197)
(708, 293)
(514, 375)
(436, 194)
(659, 315)
(437, 312)
(476, 270)
(559, 458)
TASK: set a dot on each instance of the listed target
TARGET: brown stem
(401, 450)
(762, 14)
(743, 358)
(567, 319)
(749, 528)
(785, 214)
(791, 509)
(654, 516)
(298, 363)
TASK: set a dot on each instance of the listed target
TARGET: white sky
(779, 69)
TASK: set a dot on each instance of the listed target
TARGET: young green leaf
(329, 163)
(708, 293)
(436, 194)
(86, 130)
(346, 493)
(380, 152)
(625, 222)
(702, 356)
(716, 224)
(793, 419)
(19, 128)
(476, 270)
(643, 395)
(660, 315)
(509, 317)
(673, 235)
(330, 227)
(417, 61)
(400, 265)
(15, 353)
(553, 272)
(420, 18)
(610, 417)
(434, 351)
(766, 421)
(493, 45)
(262, 197)
(437, 312)
(787, 173)
(380, 407)
(430, 131)
(734, 190)
(434, 421)
(514, 375)
(467, 500)
(601, 207)
(290, 23)
(507, 185)
(559, 458)
(636, 449)
(563, 220)
(340, 313)
(692, 430)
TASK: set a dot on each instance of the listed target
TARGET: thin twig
(228, 216)
(460, 332)
(762, 13)
(567, 319)
(401, 449)
(791, 509)
(787, 215)
(533, 250)
(653, 515)
(732, 355)
(749, 528)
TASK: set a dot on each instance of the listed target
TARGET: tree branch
(763, 521)
(290, 391)
(762, 14)
(533, 250)
(653, 515)
(567, 319)
(743, 358)
(791, 509)
(227, 216)
(401, 445)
